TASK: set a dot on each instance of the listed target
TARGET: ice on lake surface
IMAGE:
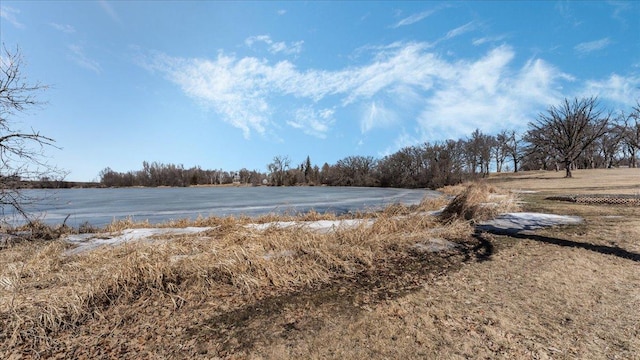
(100, 207)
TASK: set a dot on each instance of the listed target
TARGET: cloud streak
(111, 12)
(488, 39)
(417, 17)
(68, 29)
(406, 82)
(313, 122)
(617, 89)
(10, 14)
(275, 47)
(591, 46)
(80, 58)
(412, 19)
(470, 26)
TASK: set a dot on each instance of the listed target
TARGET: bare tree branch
(569, 129)
(21, 153)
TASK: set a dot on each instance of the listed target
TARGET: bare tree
(479, 151)
(277, 169)
(610, 143)
(501, 149)
(632, 135)
(21, 152)
(514, 148)
(570, 128)
(403, 168)
(444, 164)
(487, 143)
(537, 154)
(355, 171)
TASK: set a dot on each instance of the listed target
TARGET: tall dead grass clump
(126, 223)
(455, 190)
(477, 202)
(78, 290)
(38, 230)
(431, 204)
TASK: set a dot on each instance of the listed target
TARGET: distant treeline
(15, 183)
(575, 135)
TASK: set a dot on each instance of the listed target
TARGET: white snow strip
(86, 242)
(516, 222)
(321, 226)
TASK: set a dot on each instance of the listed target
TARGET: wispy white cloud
(470, 26)
(63, 27)
(405, 83)
(281, 12)
(620, 8)
(10, 14)
(564, 9)
(313, 122)
(111, 12)
(408, 65)
(79, 57)
(414, 18)
(376, 114)
(590, 46)
(618, 89)
(490, 94)
(488, 39)
(417, 17)
(275, 47)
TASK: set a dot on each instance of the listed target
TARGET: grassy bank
(369, 291)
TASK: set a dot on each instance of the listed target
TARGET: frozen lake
(99, 207)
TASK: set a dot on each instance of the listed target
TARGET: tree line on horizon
(577, 134)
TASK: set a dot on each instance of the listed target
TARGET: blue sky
(233, 84)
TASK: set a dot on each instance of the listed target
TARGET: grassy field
(595, 181)
(369, 292)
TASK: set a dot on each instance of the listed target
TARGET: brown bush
(478, 202)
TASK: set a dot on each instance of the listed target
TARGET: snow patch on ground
(87, 242)
(321, 226)
(512, 223)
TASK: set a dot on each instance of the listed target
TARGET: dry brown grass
(478, 202)
(594, 181)
(46, 293)
(368, 292)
